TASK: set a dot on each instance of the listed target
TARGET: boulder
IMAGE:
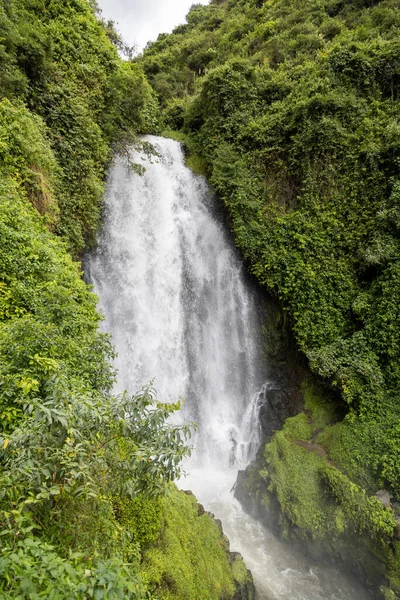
(384, 497)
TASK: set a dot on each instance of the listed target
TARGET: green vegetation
(324, 502)
(75, 459)
(58, 60)
(190, 559)
(48, 316)
(294, 108)
(82, 473)
(291, 108)
(310, 500)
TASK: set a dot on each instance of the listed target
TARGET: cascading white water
(175, 299)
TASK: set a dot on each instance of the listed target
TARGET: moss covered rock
(296, 488)
(191, 557)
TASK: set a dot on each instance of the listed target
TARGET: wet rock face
(286, 366)
(280, 399)
(250, 489)
(272, 408)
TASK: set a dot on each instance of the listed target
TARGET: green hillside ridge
(85, 493)
(291, 108)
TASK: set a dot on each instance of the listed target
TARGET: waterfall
(180, 311)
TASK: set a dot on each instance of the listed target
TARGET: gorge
(265, 310)
(181, 312)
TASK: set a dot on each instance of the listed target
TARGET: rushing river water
(176, 302)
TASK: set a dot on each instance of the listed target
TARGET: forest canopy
(57, 59)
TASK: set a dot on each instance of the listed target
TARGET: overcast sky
(139, 21)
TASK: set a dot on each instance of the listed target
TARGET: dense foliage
(294, 107)
(75, 460)
(57, 59)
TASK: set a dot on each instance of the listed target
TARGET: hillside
(291, 109)
(87, 506)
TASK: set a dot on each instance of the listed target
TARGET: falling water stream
(176, 301)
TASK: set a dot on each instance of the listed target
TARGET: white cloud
(139, 21)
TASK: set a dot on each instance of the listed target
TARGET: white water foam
(175, 299)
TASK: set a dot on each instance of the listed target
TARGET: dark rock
(397, 530)
(280, 399)
(271, 412)
(276, 398)
(384, 497)
(246, 591)
(351, 554)
(243, 493)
